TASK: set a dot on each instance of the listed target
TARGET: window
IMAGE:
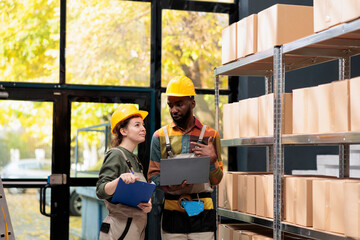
(29, 40)
(191, 46)
(108, 43)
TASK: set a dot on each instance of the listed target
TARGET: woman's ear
(123, 131)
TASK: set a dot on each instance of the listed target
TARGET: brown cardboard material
(350, 10)
(341, 106)
(355, 104)
(352, 209)
(227, 121)
(260, 195)
(299, 117)
(235, 116)
(312, 123)
(269, 196)
(321, 201)
(231, 191)
(324, 106)
(229, 230)
(247, 36)
(246, 200)
(328, 13)
(328, 205)
(244, 111)
(266, 114)
(262, 115)
(253, 117)
(281, 23)
(261, 237)
(246, 235)
(337, 206)
(298, 200)
(229, 44)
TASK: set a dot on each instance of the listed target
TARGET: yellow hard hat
(123, 112)
(180, 86)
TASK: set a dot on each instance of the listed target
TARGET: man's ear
(193, 103)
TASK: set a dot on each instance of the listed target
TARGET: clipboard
(173, 171)
(133, 193)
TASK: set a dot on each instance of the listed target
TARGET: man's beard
(182, 121)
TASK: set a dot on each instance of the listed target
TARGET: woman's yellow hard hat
(180, 86)
(125, 111)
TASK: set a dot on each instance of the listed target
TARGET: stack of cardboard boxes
(281, 24)
(327, 108)
(321, 202)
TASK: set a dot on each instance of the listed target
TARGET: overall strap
(202, 134)
(167, 139)
(167, 142)
(128, 162)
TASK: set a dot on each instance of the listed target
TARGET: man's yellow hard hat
(125, 111)
(180, 86)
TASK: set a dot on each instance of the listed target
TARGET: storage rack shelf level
(338, 43)
(295, 139)
(286, 227)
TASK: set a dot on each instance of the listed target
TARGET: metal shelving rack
(337, 43)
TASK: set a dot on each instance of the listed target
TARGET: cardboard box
(282, 24)
(247, 36)
(253, 117)
(311, 113)
(352, 209)
(264, 198)
(324, 106)
(328, 205)
(229, 44)
(341, 106)
(299, 117)
(350, 10)
(229, 230)
(244, 235)
(328, 13)
(228, 188)
(263, 126)
(260, 195)
(235, 116)
(261, 237)
(247, 190)
(244, 112)
(269, 196)
(298, 200)
(355, 104)
(266, 114)
(227, 121)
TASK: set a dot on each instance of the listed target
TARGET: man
(183, 134)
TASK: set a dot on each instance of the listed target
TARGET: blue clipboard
(133, 193)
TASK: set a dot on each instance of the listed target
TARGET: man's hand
(172, 188)
(202, 150)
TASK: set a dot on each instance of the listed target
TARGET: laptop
(173, 171)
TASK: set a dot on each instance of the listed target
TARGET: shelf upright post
(344, 149)
(269, 149)
(216, 87)
(278, 169)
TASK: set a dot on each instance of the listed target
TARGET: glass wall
(108, 43)
(29, 41)
(191, 46)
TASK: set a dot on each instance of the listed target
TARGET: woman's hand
(146, 207)
(128, 177)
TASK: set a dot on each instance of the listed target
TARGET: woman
(123, 222)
